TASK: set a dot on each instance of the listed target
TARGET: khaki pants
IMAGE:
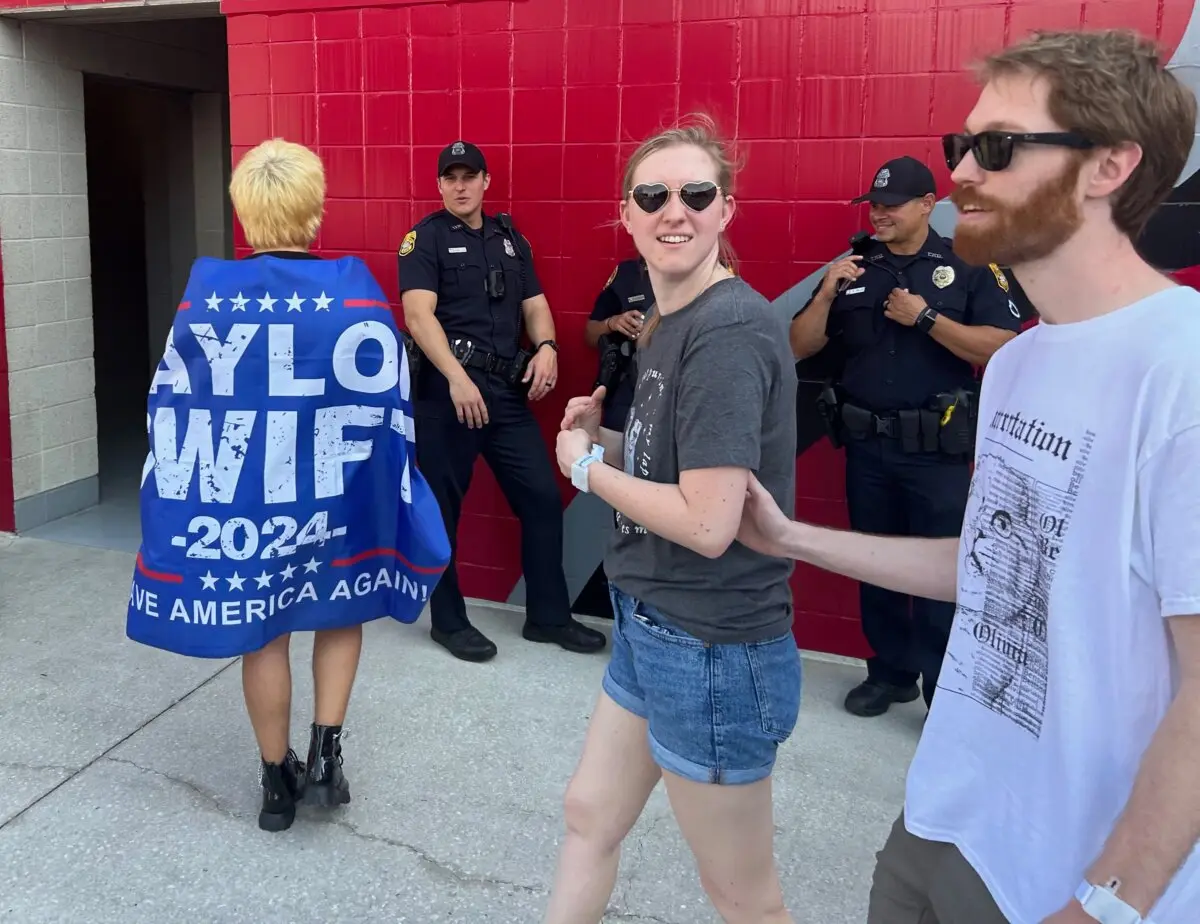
(923, 882)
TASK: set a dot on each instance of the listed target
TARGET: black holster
(830, 410)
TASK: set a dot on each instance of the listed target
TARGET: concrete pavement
(128, 778)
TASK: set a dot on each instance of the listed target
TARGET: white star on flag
(267, 303)
(322, 303)
(239, 303)
(312, 565)
(288, 572)
(294, 302)
(209, 582)
(212, 301)
(264, 580)
(235, 582)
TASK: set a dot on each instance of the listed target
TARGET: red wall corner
(7, 512)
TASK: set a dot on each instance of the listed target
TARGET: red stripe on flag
(376, 553)
(157, 575)
(364, 303)
(184, 306)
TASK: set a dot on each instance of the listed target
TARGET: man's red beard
(1014, 234)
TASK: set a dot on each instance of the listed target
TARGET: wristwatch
(926, 318)
(1102, 904)
(549, 343)
(579, 468)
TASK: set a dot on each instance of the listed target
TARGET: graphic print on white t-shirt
(1014, 529)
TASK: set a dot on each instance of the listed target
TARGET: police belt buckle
(884, 426)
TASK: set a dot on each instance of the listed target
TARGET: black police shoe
(282, 786)
(572, 636)
(874, 697)
(325, 784)
(467, 644)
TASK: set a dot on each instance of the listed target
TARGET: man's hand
(584, 414)
(846, 269)
(543, 370)
(903, 307)
(629, 324)
(1072, 914)
(468, 402)
(764, 526)
(572, 445)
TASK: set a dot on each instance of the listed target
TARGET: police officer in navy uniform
(912, 323)
(471, 297)
(620, 311)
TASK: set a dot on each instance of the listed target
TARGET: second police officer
(910, 323)
(620, 311)
(470, 296)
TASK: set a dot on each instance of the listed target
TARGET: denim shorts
(716, 713)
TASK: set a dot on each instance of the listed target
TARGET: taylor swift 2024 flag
(280, 493)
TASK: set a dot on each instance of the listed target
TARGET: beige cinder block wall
(44, 232)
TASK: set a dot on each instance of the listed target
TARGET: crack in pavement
(636, 853)
(75, 772)
(209, 799)
(433, 864)
(36, 768)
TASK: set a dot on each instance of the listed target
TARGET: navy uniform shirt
(889, 366)
(443, 255)
(627, 289)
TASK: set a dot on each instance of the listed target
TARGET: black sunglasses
(651, 197)
(994, 150)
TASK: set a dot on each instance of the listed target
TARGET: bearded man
(1055, 780)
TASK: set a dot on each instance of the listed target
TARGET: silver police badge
(943, 276)
(458, 150)
(882, 177)
(508, 248)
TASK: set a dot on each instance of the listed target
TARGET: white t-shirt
(1082, 535)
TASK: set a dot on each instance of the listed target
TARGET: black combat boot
(325, 784)
(282, 787)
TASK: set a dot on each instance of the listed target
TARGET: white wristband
(1103, 905)
(579, 469)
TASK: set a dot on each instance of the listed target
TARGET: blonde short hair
(278, 192)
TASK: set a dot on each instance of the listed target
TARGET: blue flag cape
(280, 493)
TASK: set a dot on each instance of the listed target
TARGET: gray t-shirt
(716, 386)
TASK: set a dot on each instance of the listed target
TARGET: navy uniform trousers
(512, 445)
(889, 492)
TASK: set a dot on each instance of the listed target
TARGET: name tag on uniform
(457, 250)
(857, 291)
(636, 298)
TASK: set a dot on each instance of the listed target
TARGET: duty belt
(471, 358)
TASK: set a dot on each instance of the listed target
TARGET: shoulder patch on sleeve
(1001, 279)
(409, 242)
(611, 277)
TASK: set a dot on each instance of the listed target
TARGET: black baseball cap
(899, 181)
(461, 154)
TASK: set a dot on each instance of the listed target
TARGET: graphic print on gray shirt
(716, 386)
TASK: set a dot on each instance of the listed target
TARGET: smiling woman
(714, 400)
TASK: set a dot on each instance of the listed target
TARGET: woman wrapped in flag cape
(280, 493)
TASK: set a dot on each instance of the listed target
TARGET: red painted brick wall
(7, 512)
(815, 93)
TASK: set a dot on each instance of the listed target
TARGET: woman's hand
(572, 445)
(764, 526)
(584, 413)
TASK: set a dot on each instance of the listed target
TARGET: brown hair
(1111, 86)
(696, 130)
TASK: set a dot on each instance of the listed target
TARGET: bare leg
(267, 687)
(731, 832)
(334, 665)
(615, 777)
